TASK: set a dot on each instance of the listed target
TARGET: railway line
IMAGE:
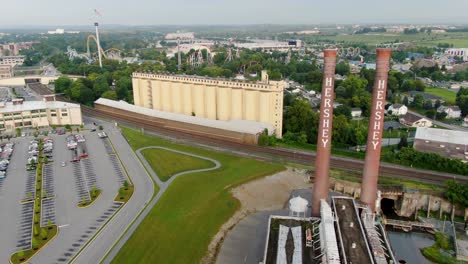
(281, 154)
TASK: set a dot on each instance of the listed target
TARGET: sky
(228, 12)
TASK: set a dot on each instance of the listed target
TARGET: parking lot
(65, 184)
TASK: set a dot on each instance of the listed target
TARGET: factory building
(212, 98)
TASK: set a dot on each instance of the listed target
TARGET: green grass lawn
(167, 163)
(447, 95)
(181, 225)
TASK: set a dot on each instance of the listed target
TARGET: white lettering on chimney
(378, 117)
(328, 81)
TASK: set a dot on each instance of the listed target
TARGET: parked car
(63, 164)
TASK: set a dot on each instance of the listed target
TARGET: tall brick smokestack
(322, 162)
(374, 137)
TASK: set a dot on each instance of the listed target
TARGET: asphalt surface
(144, 189)
(78, 225)
(16, 218)
(163, 187)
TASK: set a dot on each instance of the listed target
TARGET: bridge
(21, 80)
(407, 226)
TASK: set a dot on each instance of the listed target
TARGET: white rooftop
(242, 126)
(298, 204)
(442, 135)
(34, 105)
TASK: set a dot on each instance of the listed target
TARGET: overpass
(21, 80)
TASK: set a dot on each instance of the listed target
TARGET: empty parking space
(80, 183)
(118, 170)
(48, 212)
(48, 186)
(25, 226)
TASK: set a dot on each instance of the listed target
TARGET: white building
(451, 111)
(20, 114)
(465, 121)
(356, 112)
(58, 31)
(180, 35)
(460, 52)
(11, 60)
(6, 71)
(397, 109)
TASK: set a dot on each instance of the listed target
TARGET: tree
(43, 233)
(67, 127)
(457, 193)
(18, 131)
(300, 117)
(125, 184)
(123, 85)
(427, 104)
(343, 110)
(20, 255)
(418, 101)
(100, 127)
(403, 142)
(343, 68)
(100, 85)
(406, 101)
(112, 95)
(35, 243)
(462, 100)
(441, 115)
(62, 84)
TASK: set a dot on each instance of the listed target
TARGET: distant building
(451, 111)
(6, 71)
(180, 35)
(447, 143)
(430, 97)
(58, 31)
(335, 105)
(10, 49)
(356, 112)
(21, 114)
(461, 52)
(397, 109)
(413, 120)
(11, 60)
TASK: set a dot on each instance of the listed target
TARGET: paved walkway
(163, 187)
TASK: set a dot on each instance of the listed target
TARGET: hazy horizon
(52, 13)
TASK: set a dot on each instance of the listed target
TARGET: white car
(63, 164)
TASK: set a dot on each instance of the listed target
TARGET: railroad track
(281, 154)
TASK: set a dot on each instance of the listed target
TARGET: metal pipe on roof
(322, 163)
(370, 175)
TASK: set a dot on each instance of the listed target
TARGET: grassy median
(167, 163)
(181, 225)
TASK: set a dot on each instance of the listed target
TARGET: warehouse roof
(6, 107)
(242, 126)
(442, 135)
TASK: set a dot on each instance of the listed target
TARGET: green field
(181, 225)
(447, 95)
(167, 163)
(457, 39)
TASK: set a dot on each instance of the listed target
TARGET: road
(163, 187)
(435, 122)
(144, 189)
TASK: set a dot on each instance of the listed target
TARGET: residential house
(397, 109)
(413, 120)
(356, 112)
(430, 97)
(451, 111)
(391, 125)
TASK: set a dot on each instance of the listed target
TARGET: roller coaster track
(282, 154)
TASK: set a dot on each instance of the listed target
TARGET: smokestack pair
(374, 137)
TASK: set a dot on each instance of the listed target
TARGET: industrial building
(21, 114)
(212, 98)
(460, 52)
(241, 131)
(447, 143)
(345, 232)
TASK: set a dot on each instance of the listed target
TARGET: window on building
(53, 115)
(64, 114)
(43, 110)
(28, 123)
(53, 110)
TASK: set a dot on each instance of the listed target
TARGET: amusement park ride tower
(96, 24)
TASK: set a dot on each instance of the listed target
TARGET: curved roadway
(163, 187)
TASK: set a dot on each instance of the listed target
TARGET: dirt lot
(268, 193)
